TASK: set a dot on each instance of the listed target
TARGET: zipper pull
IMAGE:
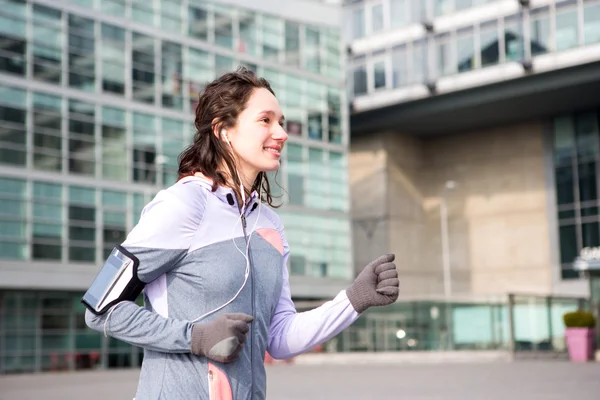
(244, 221)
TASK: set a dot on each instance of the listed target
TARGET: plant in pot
(580, 334)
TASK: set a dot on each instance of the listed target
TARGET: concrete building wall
(498, 218)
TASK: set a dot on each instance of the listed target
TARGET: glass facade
(500, 39)
(576, 157)
(96, 103)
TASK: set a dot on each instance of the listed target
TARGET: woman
(217, 295)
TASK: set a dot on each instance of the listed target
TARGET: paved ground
(527, 380)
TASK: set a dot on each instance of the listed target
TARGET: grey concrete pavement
(526, 380)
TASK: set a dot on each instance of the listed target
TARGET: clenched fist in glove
(221, 340)
(376, 285)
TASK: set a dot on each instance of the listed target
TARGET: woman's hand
(222, 339)
(376, 285)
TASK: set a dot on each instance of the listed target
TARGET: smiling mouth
(272, 150)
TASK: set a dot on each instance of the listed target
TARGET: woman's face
(258, 136)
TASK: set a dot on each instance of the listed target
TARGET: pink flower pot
(580, 342)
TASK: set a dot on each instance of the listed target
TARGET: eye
(265, 120)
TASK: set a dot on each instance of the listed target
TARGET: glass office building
(96, 102)
(432, 67)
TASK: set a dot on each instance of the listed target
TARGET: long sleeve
(160, 240)
(292, 333)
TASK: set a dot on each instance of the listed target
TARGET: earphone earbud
(224, 134)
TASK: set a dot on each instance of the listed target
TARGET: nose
(280, 134)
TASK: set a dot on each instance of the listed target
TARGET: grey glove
(376, 285)
(222, 339)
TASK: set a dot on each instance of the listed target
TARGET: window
(47, 44)
(513, 46)
(81, 138)
(144, 148)
(399, 13)
(82, 224)
(142, 12)
(295, 172)
(566, 28)
(317, 190)
(465, 45)
(114, 220)
(47, 212)
(198, 70)
(47, 137)
(377, 22)
(223, 27)
(12, 219)
(540, 31)
(172, 69)
(379, 74)
(248, 32)
(13, 43)
(172, 145)
(143, 72)
(114, 144)
(272, 37)
(82, 70)
(113, 7)
(312, 50)
(591, 23)
(359, 80)
(576, 163)
(335, 121)
(357, 22)
(170, 16)
(292, 44)
(489, 45)
(198, 22)
(13, 129)
(113, 59)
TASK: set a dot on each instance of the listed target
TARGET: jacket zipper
(252, 304)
